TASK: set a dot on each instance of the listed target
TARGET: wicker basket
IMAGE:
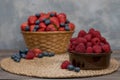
(56, 41)
(90, 61)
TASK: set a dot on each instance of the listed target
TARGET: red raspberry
(97, 49)
(82, 33)
(103, 40)
(89, 44)
(89, 50)
(30, 55)
(65, 64)
(96, 34)
(80, 48)
(95, 41)
(73, 39)
(88, 37)
(106, 48)
(81, 40)
(91, 30)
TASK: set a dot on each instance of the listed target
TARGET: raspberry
(30, 55)
(97, 49)
(73, 39)
(65, 64)
(103, 40)
(81, 40)
(71, 47)
(89, 50)
(80, 48)
(89, 44)
(95, 41)
(88, 37)
(91, 30)
(106, 48)
(82, 33)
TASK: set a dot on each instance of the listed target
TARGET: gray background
(100, 14)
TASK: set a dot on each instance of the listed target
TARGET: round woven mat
(49, 67)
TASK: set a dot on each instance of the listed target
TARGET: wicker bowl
(90, 61)
(52, 41)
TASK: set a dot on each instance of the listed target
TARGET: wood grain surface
(6, 75)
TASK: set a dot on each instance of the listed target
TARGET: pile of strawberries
(91, 42)
(31, 54)
(51, 21)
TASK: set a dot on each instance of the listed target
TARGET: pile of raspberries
(91, 42)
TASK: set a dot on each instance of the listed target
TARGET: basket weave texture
(56, 41)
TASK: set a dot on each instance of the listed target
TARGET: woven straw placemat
(49, 67)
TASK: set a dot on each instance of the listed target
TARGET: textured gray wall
(100, 14)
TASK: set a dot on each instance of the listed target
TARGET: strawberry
(80, 48)
(65, 64)
(89, 50)
(45, 16)
(32, 28)
(30, 55)
(71, 26)
(52, 13)
(82, 33)
(42, 25)
(61, 29)
(51, 27)
(88, 37)
(32, 20)
(23, 25)
(37, 51)
(97, 49)
(61, 15)
(95, 41)
(55, 21)
(41, 29)
(106, 48)
(42, 14)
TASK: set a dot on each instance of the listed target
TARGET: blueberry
(70, 67)
(51, 54)
(62, 24)
(52, 15)
(23, 51)
(34, 30)
(16, 59)
(47, 21)
(44, 19)
(36, 27)
(40, 55)
(67, 21)
(45, 53)
(37, 22)
(37, 15)
(77, 69)
(13, 56)
(67, 28)
(23, 55)
(27, 28)
(17, 56)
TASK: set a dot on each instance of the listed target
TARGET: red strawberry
(82, 33)
(71, 26)
(41, 29)
(23, 25)
(61, 15)
(106, 48)
(88, 37)
(51, 27)
(65, 64)
(42, 25)
(37, 51)
(53, 13)
(81, 40)
(30, 55)
(80, 48)
(95, 41)
(32, 28)
(42, 14)
(62, 20)
(55, 21)
(32, 19)
(89, 44)
(61, 29)
(97, 49)
(45, 16)
(89, 50)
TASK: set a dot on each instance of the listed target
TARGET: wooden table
(6, 75)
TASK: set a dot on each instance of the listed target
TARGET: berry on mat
(77, 69)
(70, 67)
(30, 55)
(51, 54)
(45, 53)
(40, 55)
(65, 64)
(37, 51)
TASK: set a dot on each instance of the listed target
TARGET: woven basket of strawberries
(48, 31)
(89, 50)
